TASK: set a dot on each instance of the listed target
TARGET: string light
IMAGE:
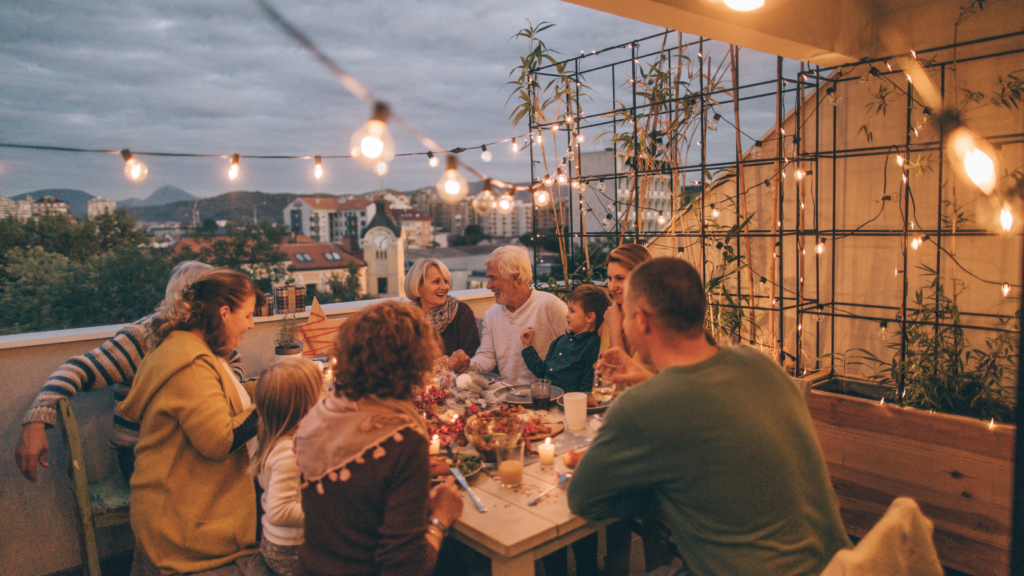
(713, 123)
(515, 145)
(433, 161)
(548, 180)
(1006, 289)
(568, 119)
(820, 248)
(916, 243)
(373, 143)
(757, 150)
(715, 212)
(381, 168)
(452, 187)
(235, 168)
(897, 273)
(600, 187)
(133, 169)
(661, 217)
(580, 138)
(483, 202)
(538, 138)
(793, 145)
(485, 154)
(800, 174)
(541, 196)
(883, 330)
(970, 153)
(833, 95)
(1006, 218)
(607, 222)
(562, 178)
(505, 204)
(318, 167)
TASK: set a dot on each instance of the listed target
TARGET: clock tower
(384, 253)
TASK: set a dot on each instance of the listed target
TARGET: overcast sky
(195, 76)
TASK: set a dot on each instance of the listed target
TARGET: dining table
(511, 533)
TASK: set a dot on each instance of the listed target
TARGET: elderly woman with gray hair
(427, 285)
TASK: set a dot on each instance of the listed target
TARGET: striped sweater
(112, 364)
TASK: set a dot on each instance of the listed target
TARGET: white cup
(575, 406)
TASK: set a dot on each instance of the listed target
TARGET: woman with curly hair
(363, 457)
(193, 500)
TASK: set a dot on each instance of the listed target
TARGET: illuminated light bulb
(515, 145)
(452, 187)
(485, 154)
(562, 179)
(580, 138)
(899, 159)
(133, 169)
(820, 248)
(897, 273)
(800, 174)
(235, 168)
(799, 327)
(802, 206)
(381, 168)
(538, 138)
(757, 150)
(318, 168)
(548, 180)
(980, 169)
(483, 202)
(992, 424)
(713, 123)
(914, 54)
(909, 79)
(1006, 289)
(970, 154)
(889, 66)
(432, 160)
(904, 178)
(541, 197)
(568, 118)
(1006, 218)
(915, 243)
(372, 143)
(715, 212)
(661, 217)
(505, 204)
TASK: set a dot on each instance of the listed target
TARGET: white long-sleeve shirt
(282, 496)
(500, 344)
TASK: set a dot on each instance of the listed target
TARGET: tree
(471, 236)
(249, 248)
(345, 288)
(115, 230)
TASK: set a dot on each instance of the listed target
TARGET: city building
(20, 209)
(617, 194)
(98, 206)
(465, 263)
(384, 254)
(419, 227)
(314, 264)
(50, 206)
(329, 219)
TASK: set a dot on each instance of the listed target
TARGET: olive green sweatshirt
(728, 449)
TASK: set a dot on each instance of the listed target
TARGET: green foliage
(941, 370)
(471, 236)
(78, 240)
(286, 332)
(249, 248)
(343, 288)
(534, 100)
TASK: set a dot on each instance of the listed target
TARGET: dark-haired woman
(363, 454)
(193, 501)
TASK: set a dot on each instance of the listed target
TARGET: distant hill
(78, 200)
(161, 196)
(237, 204)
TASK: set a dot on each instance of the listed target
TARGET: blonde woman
(427, 285)
(193, 503)
(284, 394)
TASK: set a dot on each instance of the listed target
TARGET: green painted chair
(100, 503)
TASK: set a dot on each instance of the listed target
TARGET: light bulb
(793, 146)
(548, 180)
(897, 272)
(452, 187)
(883, 330)
(318, 168)
(562, 179)
(899, 159)
(629, 172)
(541, 197)
(1006, 289)
(715, 212)
(483, 202)
(432, 160)
(235, 168)
(607, 221)
(580, 138)
(485, 154)
(820, 248)
(600, 187)
(970, 154)
(744, 5)
(661, 217)
(865, 80)
(373, 143)
(381, 168)
(133, 169)
(538, 138)
(568, 118)
(915, 243)
(980, 169)
(515, 145)
(505, 204)
(555, 127)
(1006, 218)
(800, 174)
(833, 95)
(757, 150)
(713, 123)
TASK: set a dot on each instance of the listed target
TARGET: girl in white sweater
(285, 392)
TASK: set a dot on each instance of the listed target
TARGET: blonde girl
(285, 392)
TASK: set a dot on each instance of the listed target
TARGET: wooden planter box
(959, 470)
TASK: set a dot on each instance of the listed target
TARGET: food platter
(469, 464)
(526, 399)
(601, 406)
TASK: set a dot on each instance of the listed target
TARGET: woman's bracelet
(436, 523)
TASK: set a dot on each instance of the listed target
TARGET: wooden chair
(100, 503)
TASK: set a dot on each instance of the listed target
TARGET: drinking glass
(540, 392)
(510, 464)
(575, 406)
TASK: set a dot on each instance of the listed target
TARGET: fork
(561, 478)
(514, 391)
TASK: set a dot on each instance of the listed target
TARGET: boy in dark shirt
(571, 357)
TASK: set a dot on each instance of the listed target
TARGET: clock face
(381, 242)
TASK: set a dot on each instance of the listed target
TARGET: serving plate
(526, 399)
(601, 406)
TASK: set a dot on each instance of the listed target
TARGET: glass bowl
(487, 433)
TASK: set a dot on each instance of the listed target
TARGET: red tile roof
(356, 203)
(322, 202)
(317, 256)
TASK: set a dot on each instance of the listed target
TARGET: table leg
(521, 565)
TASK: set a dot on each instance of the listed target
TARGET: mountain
(78, 200)
(161, 196)
(237, 205)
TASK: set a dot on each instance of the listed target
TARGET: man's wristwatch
(440, 525)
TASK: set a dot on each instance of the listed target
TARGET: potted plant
(285, 344)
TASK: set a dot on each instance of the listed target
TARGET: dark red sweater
(462, 333)
(375, 522)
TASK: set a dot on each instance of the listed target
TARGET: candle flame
(547, 441)
(992, 424)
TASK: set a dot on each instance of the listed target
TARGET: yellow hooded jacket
(193, 505)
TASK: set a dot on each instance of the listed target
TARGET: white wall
(37, 521)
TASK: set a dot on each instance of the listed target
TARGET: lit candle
(547, 453)
(435, 446)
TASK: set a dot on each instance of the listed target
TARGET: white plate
(601, 406)
(526, 399)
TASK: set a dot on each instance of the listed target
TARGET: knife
(462, 480)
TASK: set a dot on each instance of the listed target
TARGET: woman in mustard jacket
(193, 502)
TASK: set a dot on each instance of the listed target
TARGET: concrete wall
(37, 521)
